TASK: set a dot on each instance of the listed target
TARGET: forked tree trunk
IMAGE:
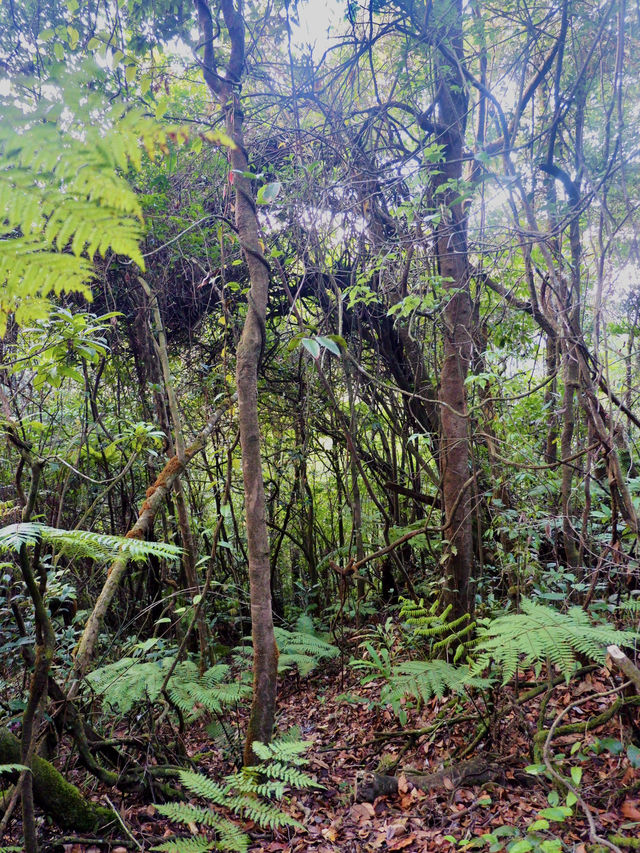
(265, 652)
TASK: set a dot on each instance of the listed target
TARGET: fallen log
(477, 771)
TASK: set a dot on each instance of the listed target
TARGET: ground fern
(541, 635)
(249, 794)
(302, 649)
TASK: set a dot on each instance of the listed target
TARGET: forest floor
(351, 736)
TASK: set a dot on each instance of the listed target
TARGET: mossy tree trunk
(58, 798)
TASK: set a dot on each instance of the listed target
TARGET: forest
(319, 386)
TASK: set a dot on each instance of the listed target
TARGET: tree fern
(84, 543)
(63, 194)
(541, 634)
(245, 794)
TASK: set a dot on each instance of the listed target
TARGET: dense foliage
(376, 298)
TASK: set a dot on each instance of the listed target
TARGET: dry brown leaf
(403, 784)
(630, 809)
(362, 811)
(448, 784)
(401, 843)
(330, 833)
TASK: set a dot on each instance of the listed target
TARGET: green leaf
(329, 344)
(611, 744)
(312, 346)
(58, 51)
(538, 825)
(73, 37)
(557, 813)
(633, 754)
(268, 192)
(522, 846)
(576, 775)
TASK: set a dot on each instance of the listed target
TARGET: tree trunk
(250, 348)
(451, 251)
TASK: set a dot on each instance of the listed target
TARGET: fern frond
(297, 648)
(540, 634)
(85, 543)
(187, 813)
(204, 787)
(63, 195)
(245, 793)
(421, 680)
(12, 768)
(187, 845)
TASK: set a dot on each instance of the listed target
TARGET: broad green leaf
(268, 192)
(633, 754)
(522, 846)
(329, 344)
(312, 346)
(557, 813)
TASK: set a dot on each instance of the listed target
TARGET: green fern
(420, 680)
(84, 543)
(228, 835)
(129, 681)
(212, 692)
(302, 649)
(63, 194)
(538, 636)
(244, 794)
(12, 768)
(196, 845)
(541, 634)
(442, 633)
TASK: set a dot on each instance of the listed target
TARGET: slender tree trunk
(250, 349)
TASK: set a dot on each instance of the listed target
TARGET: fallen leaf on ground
(630, 809)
